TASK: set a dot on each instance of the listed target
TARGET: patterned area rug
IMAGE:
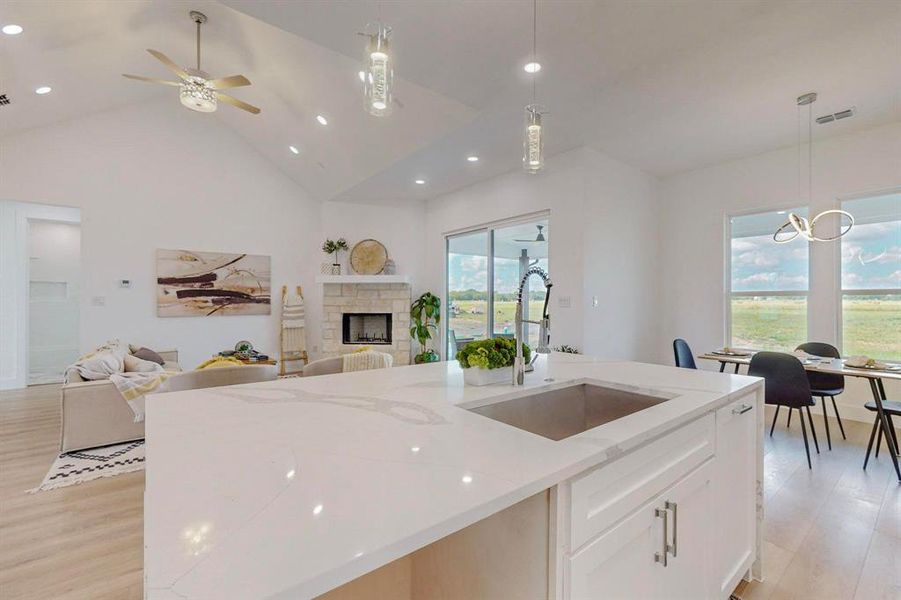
(84, 465)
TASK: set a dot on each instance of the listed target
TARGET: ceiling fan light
(195, 94)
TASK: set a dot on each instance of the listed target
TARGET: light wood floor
(831, 533)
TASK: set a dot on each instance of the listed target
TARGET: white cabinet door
(626, 562)
(620, 564)
(734, 491)
(688, 573)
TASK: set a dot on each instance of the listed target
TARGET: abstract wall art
(204, 284)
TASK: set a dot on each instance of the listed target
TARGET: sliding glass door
(467, 289)
(484, 267)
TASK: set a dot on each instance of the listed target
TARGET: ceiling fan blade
(237, 103)
(151, 80)
(168, 62)
(232, 81)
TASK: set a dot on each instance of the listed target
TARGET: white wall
(602, 243)
(694, 207)
(157, 176)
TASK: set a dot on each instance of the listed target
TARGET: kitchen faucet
(544, 336)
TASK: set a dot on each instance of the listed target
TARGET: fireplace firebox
(366, 328)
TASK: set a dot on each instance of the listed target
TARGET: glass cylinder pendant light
(533, 140)
(533, 131)
(378, 71)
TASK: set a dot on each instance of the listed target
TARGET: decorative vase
(336, 269)
(426, 357)
(476, 376)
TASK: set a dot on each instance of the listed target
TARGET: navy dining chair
(823, 385)
(786, 385)
(684, 358)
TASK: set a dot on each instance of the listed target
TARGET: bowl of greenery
(490, 361)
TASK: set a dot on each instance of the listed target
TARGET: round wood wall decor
(368, 257)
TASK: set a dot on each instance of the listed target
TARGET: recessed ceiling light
(317, 509)
(419, 182)
(467, 479)
(294, 149)
(322, 120)
(44, 89)
(532, 67)
(472, 158)
(12, 29)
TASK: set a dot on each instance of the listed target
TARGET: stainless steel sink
(560, 413)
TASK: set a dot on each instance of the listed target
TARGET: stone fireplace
(366, 328)
(366, 314)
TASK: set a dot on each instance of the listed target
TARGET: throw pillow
(99, 365)
(148, 354)
(133, 364)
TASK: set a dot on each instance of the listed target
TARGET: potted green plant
(426, 314)
(334, 247)
(490, 361)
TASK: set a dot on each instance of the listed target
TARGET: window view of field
(871, 324)
(467, 314)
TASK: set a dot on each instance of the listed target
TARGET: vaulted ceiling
(665, 86)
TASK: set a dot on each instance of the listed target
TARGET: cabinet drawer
(606, 495)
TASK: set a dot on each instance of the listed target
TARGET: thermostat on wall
(125, 283)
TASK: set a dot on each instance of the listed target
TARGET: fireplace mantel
(363, 279)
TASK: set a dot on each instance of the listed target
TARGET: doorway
(54, 273)
(40, 291)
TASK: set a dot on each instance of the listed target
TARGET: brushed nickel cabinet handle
(740, 410)
(675, 508)
(661, 556)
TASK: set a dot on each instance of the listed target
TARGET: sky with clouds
(468, 272)
(871, 259)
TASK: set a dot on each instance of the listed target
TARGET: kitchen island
(391, 478)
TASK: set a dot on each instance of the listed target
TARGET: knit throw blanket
(133, 386)
(364, 361)
(292, 312)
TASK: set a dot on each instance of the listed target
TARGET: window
(768, 284)
(484, 268)
(871, 278)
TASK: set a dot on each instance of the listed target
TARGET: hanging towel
(292, 312)
(364, 361)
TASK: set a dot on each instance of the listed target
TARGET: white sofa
(95, 414)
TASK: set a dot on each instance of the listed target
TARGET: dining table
(834, 366)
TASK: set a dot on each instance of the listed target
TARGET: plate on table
(888, 368)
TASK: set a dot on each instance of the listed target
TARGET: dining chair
(823, 385)
(684, 358)
(786, 385)
(890, 408)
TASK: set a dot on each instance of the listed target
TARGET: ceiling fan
(538, 238)
(198, 91)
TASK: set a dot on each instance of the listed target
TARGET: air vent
(842, 114)
(3, 100)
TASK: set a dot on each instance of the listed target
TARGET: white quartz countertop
(289, 488)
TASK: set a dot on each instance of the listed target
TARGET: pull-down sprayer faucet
(544, 336)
